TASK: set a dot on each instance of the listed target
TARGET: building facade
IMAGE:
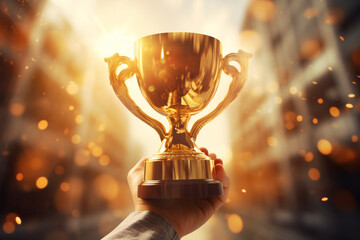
(296, 147)
(63, 138)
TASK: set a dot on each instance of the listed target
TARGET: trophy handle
(121, 90)
(238, 80)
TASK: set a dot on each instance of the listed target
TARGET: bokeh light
(18, 220)
(263, 10)
(41, 182)
(324, 146)
(314, 174)
(334, 111)
(17, 109)
(235, 223)
(43, 124)
(290, 141)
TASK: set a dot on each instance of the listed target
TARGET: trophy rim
(173, 33)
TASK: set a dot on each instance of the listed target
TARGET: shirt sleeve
(144, 225)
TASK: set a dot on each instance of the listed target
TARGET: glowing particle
(8, 227)
(349, 105)
(315, 121)
(263, 10)
(76, 139)
(19, 176)
(26, 67)
(91, 145)
(314, 174)
(309, 156)
(72, 88)
(33, 59)
(272, 141)
(341, 38)
(324, 199)
(354, 138)
(330, 68)
(71, 107)
(315, 83)
(334, 111)
(243, 190)
(41, 182)
(289, 125)
(351, 95)
(320, 101)
(79, 119)
(65, 186)
(82, 157)
(299, 118)
(278, 100)
(104, 160)
(43, 124)
(101, 127)
(235, 223)
(18, 220)
(97, 151)
(293, 90)
(17, 109)
(324, 146)
(310, 48)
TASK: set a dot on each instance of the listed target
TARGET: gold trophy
(178, 74)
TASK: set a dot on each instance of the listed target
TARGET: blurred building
(296, 132)
(62, 145)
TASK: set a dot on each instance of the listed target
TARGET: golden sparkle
(324, 146)
(41, 182)
(43, 124)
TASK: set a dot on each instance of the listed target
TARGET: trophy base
(180, 189)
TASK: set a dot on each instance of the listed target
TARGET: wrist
(162, 213)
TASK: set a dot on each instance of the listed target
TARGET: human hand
(186, 215)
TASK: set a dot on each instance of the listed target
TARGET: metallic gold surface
(178, 74)
(180, 165)
(120, 88)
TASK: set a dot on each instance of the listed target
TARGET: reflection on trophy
(178, 74)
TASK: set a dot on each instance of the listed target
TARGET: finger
(140, 164)
(212, 155)
(218, 201)
(222, 176)
(204, 150)
(218, 161)
(136, 174)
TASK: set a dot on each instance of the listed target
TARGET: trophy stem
(178, 137)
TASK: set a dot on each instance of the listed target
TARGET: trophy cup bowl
(178, 74)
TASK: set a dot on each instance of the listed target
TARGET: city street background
(290, 141)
